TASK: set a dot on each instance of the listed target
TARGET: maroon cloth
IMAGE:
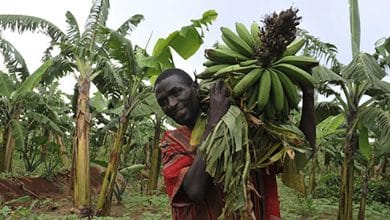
(177, 157)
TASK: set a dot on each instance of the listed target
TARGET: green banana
(234, 68)
(251, 96)
(276, 92)
(248, 62)
(222, 46)
(226, 56)
(296, 74)
(244, 34)
(294, 47)
(270, 111)
(238, 43)
(286, 108)
(230, 45)
(208, 63)
(248, 80)
(299, 61)
(255, 32)
(210, 71)
(290, 90)
(264, 90)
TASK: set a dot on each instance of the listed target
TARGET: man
(186, 180)
(191, 190)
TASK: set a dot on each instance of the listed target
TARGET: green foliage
(354, 22)
(324, 206)
(185, 42)
(328, 188)
(320, 50)
(13, 60)
(31, 81)
(154, 206)
(382, 52)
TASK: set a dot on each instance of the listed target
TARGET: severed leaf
(291, 176)
(198, 130)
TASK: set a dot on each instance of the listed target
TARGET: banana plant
(150, 112)
(12, 96)
(81, 54)
(48, 122)
(185, 42)
(326, 128)
(363, 87)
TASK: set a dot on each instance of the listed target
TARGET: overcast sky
(327, 19)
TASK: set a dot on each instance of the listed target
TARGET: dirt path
(42, 188)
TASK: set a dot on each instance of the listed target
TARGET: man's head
(177, 94)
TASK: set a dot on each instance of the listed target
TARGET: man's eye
(176, 92)
(162, 102)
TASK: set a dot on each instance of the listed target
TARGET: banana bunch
(271, 90)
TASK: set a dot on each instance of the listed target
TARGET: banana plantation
(95, 153)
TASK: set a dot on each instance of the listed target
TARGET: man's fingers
(219, 84)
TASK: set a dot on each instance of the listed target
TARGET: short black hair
(174, 71)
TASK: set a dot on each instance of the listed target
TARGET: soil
(53, 194)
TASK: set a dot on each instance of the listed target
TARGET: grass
(137, 206)
(295, 206)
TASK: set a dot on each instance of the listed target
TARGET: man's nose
(172, 102)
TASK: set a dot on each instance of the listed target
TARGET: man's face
(178, 100)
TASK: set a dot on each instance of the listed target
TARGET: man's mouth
(180, 112)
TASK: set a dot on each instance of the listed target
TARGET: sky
(327, 20)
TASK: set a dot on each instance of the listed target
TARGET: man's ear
(195, 86)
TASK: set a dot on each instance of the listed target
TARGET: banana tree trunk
(105, 197)
(8, 151)
(9, 147)
(312, 177)
(81, 172)
(48, 134)
(346, 188)
(64, 158)
(2, 150)
(155, 159)
(363, 199)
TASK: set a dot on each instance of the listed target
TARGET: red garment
(272, 206)
(177, 157)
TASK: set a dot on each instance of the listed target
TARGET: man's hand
(197, 180)
(219, 102)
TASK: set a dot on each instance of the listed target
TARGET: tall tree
(79, 53)
(362, 86)
(12, 97)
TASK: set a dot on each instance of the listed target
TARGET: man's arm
(307, 124)
(197, 180)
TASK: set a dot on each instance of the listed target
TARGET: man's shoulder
(179, 131)
(178, 138)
